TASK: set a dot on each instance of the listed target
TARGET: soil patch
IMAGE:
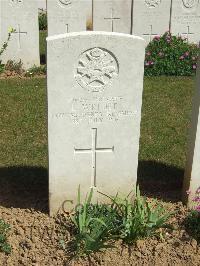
(35, 240)
(8, 74)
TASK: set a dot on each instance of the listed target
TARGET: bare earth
(35, 236)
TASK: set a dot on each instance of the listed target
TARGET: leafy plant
(4, 228)
(36, 70)
(192, 224)
(43, 21)
(139, 218)
(17, 67)
(170, 55)
(129, 218)
(92, 226)
(4, 46)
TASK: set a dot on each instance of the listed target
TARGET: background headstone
(112, 16)
(94, 112)
(151, 18)
(66, 16)
(185, 20)
(42, 4)
(22, 15)
(192, 170)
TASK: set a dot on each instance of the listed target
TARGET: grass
(165, 120)
(23, 122)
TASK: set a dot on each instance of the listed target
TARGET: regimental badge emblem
(65, 2)
(190, 3)
(152, 3)
(97, 68)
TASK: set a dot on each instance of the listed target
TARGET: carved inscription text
(98, 110)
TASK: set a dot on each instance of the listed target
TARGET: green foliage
(170, 55)
(43, 21)
(92, 226)
(109, 215)
(139, 218)
(4, 228)
(129, 219)
(192, 224)
(1, 67)
(17, 67)
(4, 46)
(36, 70)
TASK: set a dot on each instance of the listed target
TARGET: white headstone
(112, 15)
(185, 19)
(192, 170)
(151, 18)
(66, 16)
(42, 5)
(22, 15)
(94, 112)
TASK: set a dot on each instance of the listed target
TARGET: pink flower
(149, 63)
(181, 57)
(157, 38)
(195, 67)
(187, 53)
(197, 208)
(148, 53)
(194, 58)
(198, 189)
(160, 54)
(168, 40)
(196, 199)
(188, 192)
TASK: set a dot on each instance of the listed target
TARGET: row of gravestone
(145, 18)
(94, 112)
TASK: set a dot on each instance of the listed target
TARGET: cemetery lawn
(24, 179)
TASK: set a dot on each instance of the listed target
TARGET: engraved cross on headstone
(112, 19)
(150, 34)
(94, 150)
(188, 33)
(67, 26)
(19, 32)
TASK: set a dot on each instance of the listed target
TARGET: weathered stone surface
(42, 4)
(66, 16)
(151, 18)
(185, 19)
(22, 15)
(112, 16)
(192, 170)
(94, 112)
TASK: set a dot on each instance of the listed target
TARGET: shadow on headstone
(160, 180)
(24, 187)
